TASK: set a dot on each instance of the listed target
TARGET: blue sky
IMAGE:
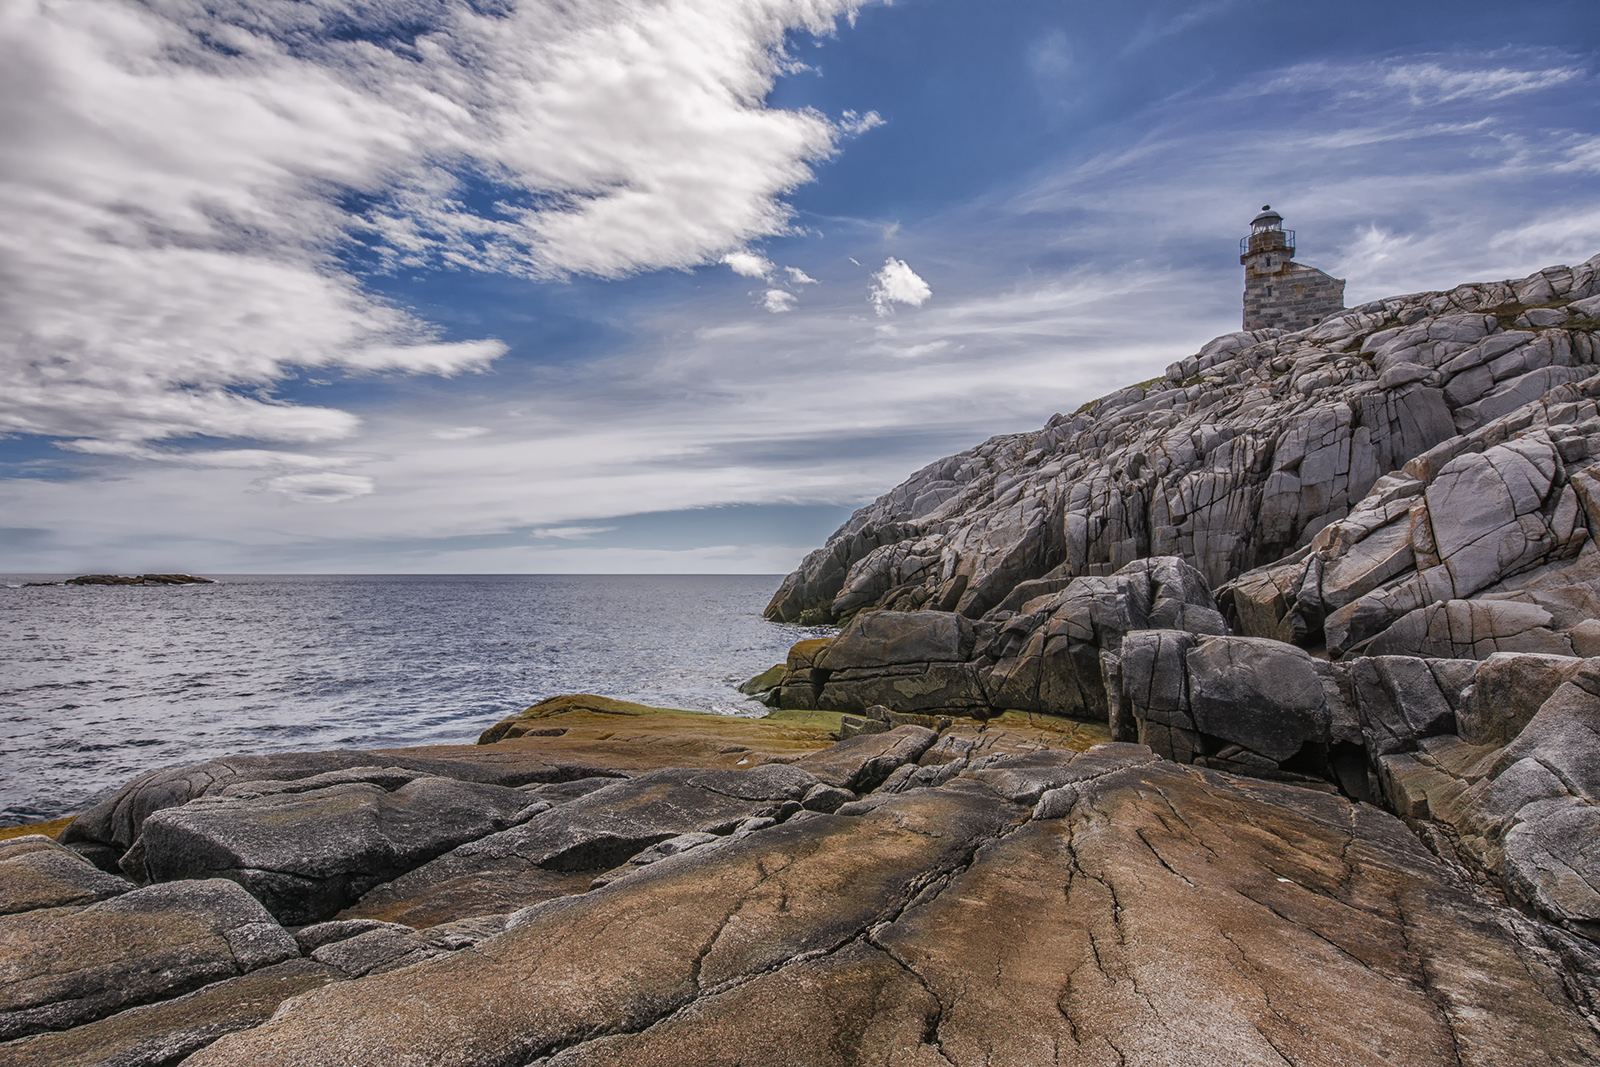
(621, 286)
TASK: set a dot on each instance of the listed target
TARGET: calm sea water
(100, 684)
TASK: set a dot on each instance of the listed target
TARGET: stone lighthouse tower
(1278, 292)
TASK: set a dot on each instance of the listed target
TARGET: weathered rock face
(1310, 929)
(1060, 653)
(562, 739)
(563, 848)
(978, 892)
(167, 1031)
(1494, 760)
(60, 967)
(306, 853)
(1244, 452)
(1053, 656)
(1483, 544)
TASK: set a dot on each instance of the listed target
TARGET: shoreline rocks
(1242, 454)
(888, 897)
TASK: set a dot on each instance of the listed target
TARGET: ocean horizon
(104, 683)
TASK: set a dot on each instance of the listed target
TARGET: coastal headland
(1246, 716)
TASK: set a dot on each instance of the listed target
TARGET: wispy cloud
(180, 184)
(570, 533)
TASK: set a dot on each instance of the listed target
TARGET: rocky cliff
(1238, 456)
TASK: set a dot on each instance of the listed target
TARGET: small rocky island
(1247, 716)
(137, 579)
(130, 579)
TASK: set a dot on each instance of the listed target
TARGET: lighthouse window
(1269, 290)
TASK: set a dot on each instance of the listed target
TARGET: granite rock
(308, 854)
(1237, 459)
(65, 966)
(35, 872)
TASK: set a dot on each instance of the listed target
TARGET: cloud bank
(185, 187)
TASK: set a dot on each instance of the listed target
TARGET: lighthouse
(1278, 292)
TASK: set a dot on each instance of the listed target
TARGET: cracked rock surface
(991, 895)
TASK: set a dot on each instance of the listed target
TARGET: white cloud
(180, 180)
(749, 264)
(799, 277)
(854, 124)
(323, 488)
(1420, 81)
(776, 300)
(459, 433)
(897, 283)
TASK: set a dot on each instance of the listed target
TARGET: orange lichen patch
(48, 829)
(622, 737)
(803, 655)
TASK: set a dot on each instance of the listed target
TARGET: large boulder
(308, 853)
(1263, 695)
(886, 638)
(35, 872)
(61, 967)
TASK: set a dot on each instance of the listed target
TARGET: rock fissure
(1436, 996)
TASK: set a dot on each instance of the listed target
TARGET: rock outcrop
(1237, 457)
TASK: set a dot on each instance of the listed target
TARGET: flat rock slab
(35, 872)
(160, 1034)
(559, 851)
(1171, 915)
(61, 967)
(1179, 916)
(307, 855)
(642, 948)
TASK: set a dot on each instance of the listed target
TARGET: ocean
(99, 684)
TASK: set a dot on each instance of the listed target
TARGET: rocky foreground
(1248, 716)
(608, 884)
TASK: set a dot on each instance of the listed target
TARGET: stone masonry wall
(1294, 297)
